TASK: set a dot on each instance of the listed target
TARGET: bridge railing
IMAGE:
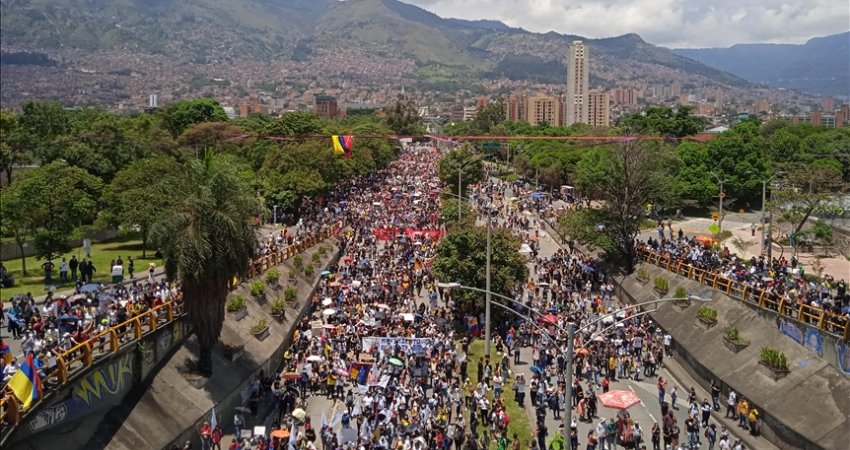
(109, 341)
(806, 314)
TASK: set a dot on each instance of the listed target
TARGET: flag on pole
(25, 383)
(342, 144)
(324, 419)
(292, 432)
(213, 419)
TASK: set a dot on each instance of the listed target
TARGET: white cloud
(670, 23)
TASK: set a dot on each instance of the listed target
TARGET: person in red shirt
(206, 436)
(233, 445)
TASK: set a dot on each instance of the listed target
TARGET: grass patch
(102, 254)
(519, 425)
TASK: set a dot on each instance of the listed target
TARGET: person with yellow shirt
(753, 418)
(743, 412)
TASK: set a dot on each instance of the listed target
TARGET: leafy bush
(773, 358)
(316, 257)
(681, 292)
(642, 274)
(293, 275)
(278, 306)
(272, 276)
(261, 325)
(309, 270)
(661, 284)
(236, 303)
(734, 335)
(707, 313)
(257, 288)
(289, 294)
(298, 261)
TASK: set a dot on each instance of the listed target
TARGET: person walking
(662, 389)
(731, 401)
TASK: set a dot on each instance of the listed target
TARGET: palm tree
(207, 239)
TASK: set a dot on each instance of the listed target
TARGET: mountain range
(820, 66)
(127, 48)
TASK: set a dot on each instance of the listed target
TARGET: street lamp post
(766, 234)
(721, 195)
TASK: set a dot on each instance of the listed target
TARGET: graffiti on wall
(110, 380)
(48, 417)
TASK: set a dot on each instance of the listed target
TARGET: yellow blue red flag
(25, 383)
(342, 144)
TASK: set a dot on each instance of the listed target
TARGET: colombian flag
(25, 383)
(342, 144)
(472, 326)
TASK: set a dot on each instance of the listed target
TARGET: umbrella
(396, 362)
(280, 434)
(549, 318)
(582, 351)
(327, 301)
(536, 370)
(328, 326)
(299, 414)
(243, 409)
(291, 376)
(92, 287)
(537, 195)
(525, 248)
(619, 399)
(68, 317)
(342, 373)
(383, 306)
(329, 312)
(326, 273)
(314, 358)
(599, 339)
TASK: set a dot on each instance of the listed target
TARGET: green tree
(449, 212)
(14, 148)
(627, 176)
(806, 187)
(663, 121)
(463, 160)
(178, 116)
(97, 141)
(53, 199)
(207, 238)
(16, 220)
(42, 123)
(694, 179)
(462, 257)
(403, 117)
(135, 198)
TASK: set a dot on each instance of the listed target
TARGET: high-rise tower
(577, 82)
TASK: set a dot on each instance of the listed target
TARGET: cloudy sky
(670, 23)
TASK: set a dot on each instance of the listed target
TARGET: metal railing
(87, 353)
(763, 299)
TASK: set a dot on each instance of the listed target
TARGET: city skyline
(668, 23)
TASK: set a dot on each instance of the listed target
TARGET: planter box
(262, 335)
(735, 347)
(280, 317)
(660, 292)
(238, 314)
(682, 304)
(704, 324)
(772, 373)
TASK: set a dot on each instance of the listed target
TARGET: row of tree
(68, 172)
(804, 167)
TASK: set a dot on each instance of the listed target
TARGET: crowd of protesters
(782, 279)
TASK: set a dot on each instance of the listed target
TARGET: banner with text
(388, 343)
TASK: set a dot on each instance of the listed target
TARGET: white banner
(406, 344)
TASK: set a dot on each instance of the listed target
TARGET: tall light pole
(721, 195)
(765, 230)
(460, 167)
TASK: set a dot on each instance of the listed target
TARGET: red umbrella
(619, 399)
(549, 318)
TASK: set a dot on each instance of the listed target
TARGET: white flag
(213, 419)
(292, 432)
